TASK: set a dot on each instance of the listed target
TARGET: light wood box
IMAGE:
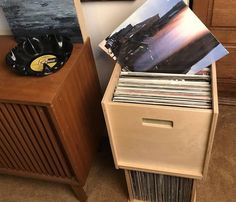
(140, 141)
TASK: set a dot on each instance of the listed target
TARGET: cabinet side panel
(107, 99)
(78, 114)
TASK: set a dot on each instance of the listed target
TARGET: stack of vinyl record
(165, 89)
(160, 188)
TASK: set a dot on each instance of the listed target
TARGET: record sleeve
(163, 36)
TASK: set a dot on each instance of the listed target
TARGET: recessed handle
(157, 123)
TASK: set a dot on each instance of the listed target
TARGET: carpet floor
(105, 184)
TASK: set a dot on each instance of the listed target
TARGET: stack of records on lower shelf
(159, 188)
(165, 89)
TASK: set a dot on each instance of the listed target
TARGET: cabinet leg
(79, 193)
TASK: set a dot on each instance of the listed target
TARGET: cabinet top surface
(39, 90)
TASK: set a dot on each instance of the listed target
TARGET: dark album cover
(39, 17)
(163, 36)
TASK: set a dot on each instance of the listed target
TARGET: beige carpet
(220, 185)
(105, 184)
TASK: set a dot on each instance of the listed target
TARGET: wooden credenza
(220, 17)
(50, 126)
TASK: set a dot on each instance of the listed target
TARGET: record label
(39, 63)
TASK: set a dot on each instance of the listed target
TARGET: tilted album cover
(163, 36)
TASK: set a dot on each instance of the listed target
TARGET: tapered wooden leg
(79, 193)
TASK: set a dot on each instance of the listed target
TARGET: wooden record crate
(50, 126)
(142, 139)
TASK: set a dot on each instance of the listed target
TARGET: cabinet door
(219, 16)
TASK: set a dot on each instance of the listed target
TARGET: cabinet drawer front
(226, 36)
(224, 13)
(226, 73)
(155, 138)
(226, 67)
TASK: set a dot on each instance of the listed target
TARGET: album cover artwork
(163, 36)
(39, 17)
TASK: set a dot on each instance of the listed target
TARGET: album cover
(38, 17)
(163, 36)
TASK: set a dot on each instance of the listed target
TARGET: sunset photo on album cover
(163, 36)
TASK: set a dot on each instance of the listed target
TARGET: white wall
(101, 19)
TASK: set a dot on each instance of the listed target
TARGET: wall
(101, 19)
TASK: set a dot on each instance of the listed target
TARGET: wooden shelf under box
(182, 150)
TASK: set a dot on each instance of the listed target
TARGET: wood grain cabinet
(220, 17)
(50, 126)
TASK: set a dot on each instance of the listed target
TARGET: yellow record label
(38, 64)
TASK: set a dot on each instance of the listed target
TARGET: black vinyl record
(39, 56)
